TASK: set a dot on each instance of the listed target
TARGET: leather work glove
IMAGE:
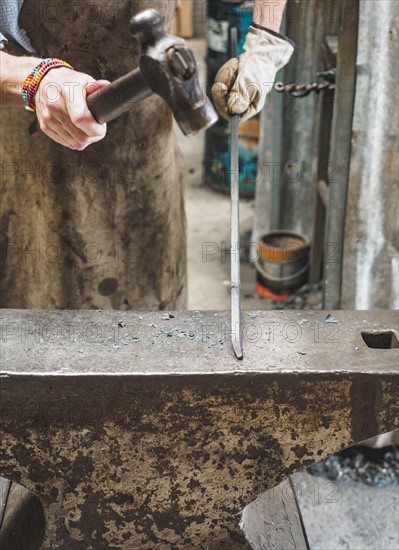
(242, 84)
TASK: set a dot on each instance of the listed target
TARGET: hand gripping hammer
(167, 68)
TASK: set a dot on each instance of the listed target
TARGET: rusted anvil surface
(141, 430)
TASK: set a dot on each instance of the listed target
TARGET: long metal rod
(236, 332)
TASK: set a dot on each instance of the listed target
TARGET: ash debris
(306, 297)
(374, 467)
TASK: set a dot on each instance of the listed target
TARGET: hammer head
(170, 70)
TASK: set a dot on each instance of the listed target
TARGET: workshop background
(319, 168)
(305, 145)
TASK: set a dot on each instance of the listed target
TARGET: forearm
(13, 72)
(67, 119)
(269, 13)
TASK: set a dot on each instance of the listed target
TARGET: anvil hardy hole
(380, 339)
(22, 523)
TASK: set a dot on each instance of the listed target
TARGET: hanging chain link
(302, 90)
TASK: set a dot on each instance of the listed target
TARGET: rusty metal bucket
(283, 263)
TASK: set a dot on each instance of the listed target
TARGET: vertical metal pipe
(341, 151)
(320, 205)
(306, 22)
(268, 184)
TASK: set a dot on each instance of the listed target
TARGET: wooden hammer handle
(117, 98)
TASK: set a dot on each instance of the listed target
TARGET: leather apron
(102, 228)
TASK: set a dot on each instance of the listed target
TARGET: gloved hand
(242, 84)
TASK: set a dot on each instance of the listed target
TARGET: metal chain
(302, 90)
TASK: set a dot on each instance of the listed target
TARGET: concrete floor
(343, 515)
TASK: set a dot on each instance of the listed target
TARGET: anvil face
(142, 430)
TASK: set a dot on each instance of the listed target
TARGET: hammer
(167, 68)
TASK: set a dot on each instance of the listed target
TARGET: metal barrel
(221, 18)
(282, 265)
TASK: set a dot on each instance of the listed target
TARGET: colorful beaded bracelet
(32, 81)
